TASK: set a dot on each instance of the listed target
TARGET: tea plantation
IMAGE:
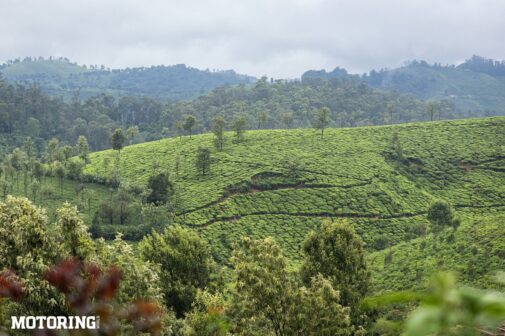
(283, 183)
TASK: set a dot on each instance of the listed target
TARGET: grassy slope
(345, 175)
(476, 252)
(59, 196)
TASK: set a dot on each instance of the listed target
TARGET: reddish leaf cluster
(145, 317)
(84, 284)
(89, 290)
(10, 286)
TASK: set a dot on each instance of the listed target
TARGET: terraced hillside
(283, 183)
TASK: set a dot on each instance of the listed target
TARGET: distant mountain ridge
(475, 87)
(60, 77)
(478, 84)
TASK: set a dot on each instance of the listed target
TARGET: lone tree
(131, 133)
(239, 126)
(59, 171)
(165, 132)
(82, 149)
(322, 119)
(161, 189)
(395, 149)
(432, 108)
(203, 160)
(179, 128)
(262, 119)
(189, 123)
(117, 140)
(218, 130)
(336, 252)
(390, 113)
(441, 214)
(287, 118)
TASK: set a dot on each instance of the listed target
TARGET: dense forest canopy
(25, 111)
(291, 104)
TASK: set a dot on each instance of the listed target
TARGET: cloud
(278, 38)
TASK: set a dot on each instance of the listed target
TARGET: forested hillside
(475, 87)
(26, 111)
(60, 77)
(290, 104)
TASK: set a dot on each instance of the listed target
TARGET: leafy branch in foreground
(447, 309)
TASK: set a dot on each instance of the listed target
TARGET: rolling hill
(60, 77)
(283, 183)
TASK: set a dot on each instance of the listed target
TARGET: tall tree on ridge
(189, 123)
(117, 140)
(239, 126)
(218, 130)
(322, 119)
(82, 149)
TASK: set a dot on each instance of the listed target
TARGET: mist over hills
(475, 87)
(478, 84)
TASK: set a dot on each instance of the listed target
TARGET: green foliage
(131, 133)
(141, 279)
(432, 109)
(82, 149)
(322, 119)
(471, 88)
(74, 167)
(440, 214)
(336, 252)
(161, 189)
(267, 300)
(185, 265)
(218, 126)
(75, 237)
(293, 167)
(239, 126)
(203, 160)
(395, 149)
(117, 140)
(475, 252)
(27, 249)
(29, 245)
(448, 310)
(207, 316)
(189, 123)
(23, 232)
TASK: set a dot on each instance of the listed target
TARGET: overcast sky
(277, 38)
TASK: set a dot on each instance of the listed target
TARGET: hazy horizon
(279, 39)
